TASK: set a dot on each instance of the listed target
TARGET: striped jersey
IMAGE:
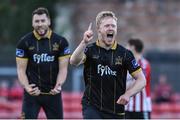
(141, 102)
(43, 55)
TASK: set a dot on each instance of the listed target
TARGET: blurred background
(156, 22)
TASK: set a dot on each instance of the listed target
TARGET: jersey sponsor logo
(44, 57)
(105, 70)
(134, 63)
(67, 51)
(20, 52)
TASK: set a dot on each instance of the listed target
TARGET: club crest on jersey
(55, 47)
(20, 52)
(134, 63)
(118, 61)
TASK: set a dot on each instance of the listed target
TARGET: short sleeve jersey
(43, 55)
(105, 76)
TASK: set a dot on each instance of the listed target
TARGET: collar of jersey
(114, 46)
(38, 37)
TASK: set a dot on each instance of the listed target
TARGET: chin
(109, 42)
(41, 33)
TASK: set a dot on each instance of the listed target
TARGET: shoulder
(122, 50)
(27, 37)
(55, 36)
(91, 45)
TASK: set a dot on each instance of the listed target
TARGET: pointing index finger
(90, 26)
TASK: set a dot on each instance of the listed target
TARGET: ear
(49, 22)
(32, 22)
(133, 48)
(97, 29)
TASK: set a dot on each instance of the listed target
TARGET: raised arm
(78, 55)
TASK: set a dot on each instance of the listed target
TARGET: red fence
(73, 109)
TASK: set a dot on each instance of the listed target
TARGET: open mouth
(41, 31)
(110, 35)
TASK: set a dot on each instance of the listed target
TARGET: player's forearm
(78, 54)
(21, 71)
(22, 77)
(137, 87)
(61, 78)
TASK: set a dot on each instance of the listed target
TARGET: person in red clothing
(140, 105)
(163, 90)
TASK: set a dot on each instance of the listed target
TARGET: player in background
(139, 106)
(42, 59)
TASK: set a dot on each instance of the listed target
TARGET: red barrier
(73, 109)
(72, 105)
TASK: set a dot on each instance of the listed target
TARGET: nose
(110, 27)
(40, 23)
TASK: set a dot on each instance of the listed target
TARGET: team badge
(55, 47)
(118, 61)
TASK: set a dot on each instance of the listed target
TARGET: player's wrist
(24, 86)
(84, 42)
(128, 93)
(58, 87)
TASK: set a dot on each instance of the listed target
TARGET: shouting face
(107, 31)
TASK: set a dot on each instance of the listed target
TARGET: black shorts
(51, 104)
(137, 115)
(91, 112)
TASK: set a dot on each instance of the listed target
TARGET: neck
(104, 45)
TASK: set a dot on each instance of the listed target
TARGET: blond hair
(104, 14)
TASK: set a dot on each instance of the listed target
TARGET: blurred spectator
(16, 91)
(139, 106)
(4, 90)
(163, 90)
